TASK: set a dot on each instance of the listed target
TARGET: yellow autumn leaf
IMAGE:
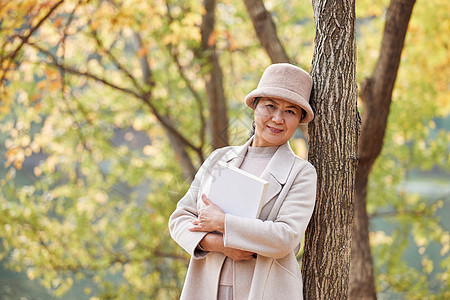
(41, 84)
(58, 21)
(15, 156)
(37, 171)
(55, 85)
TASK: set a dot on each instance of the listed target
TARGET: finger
(195, 228)
(244, 258)
(206, 200)
(252, 255)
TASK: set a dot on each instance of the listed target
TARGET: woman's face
(276, 121)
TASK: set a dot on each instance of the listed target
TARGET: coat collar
(277, 170)
(279, 166)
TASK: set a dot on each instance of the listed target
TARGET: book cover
(237, 192)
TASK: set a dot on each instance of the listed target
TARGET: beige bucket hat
(287, 82)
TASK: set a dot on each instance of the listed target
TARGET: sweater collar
(279, 166)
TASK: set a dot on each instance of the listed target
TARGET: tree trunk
(333, 151)
(266, 31)
(376, 95)
(182, 157)
(218, 119)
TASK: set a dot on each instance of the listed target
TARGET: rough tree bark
(333, 151)
(376, 95)
(218, 118)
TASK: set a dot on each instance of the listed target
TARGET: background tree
(414, 138)
(213, 80)
(376, 96)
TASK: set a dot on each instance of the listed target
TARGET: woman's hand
(210, 218)
(237, 255)
(213, 242)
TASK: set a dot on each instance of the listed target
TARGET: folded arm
(213, 242)
(191, 227)
(188, 229)
(269, 238)
(279, 237)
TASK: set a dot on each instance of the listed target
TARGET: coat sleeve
(277, 238)
(186, 211)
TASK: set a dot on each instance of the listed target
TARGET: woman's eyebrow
(293, 106)
(271, 100)
(275, 102)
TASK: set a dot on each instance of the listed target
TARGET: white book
(237, 192)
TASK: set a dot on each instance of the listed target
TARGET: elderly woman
(239, 258)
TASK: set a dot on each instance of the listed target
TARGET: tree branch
(177, 139)
(419, 213)
(164, 120)
(89, 75)
(376, 91)
(167, 124)
(33, 30)
(197, 97)
(174, 53)
(266, 31)
(25, 39)
(113, 58)
(143, 59)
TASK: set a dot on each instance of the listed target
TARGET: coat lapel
(236, 155)
(277, 170)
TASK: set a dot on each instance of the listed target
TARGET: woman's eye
(270, 106)
(290, 112)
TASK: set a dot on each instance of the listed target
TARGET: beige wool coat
(275, 236)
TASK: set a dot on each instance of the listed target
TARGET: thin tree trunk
(376, 95)
(182, 156)
(218, 118)
(333, 151)
(266, 31)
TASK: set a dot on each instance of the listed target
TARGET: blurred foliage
(89, 177)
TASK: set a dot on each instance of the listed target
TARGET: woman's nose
(277, 116)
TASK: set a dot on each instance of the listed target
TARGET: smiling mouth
(274, 130)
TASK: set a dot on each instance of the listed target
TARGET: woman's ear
(303, 114)
(252, 130)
